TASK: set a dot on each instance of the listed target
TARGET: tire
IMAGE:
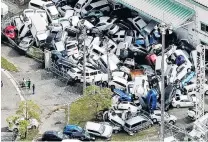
(105, 84)
(112, 87)
(172, 122)
(33, 127)
(116, 131)
(188, 70)
(206, 92)
(154, 120)
(178, 106)
(15, 130)
(76, 78)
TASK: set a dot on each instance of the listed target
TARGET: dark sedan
(54, 136)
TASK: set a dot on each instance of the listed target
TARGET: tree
(86, 108)
(26, 110)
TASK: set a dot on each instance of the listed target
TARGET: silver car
(26, 43)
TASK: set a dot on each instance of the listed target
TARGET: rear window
(127, 125)
(70, 46)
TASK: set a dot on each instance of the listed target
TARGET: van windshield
(127, 125)
(49, 5)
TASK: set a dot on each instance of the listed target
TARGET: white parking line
(14, 82)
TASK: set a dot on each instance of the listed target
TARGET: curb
(14, 82)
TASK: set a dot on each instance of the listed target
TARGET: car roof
(120, 79)
(92, 126)
(70, 127)
(135, 120)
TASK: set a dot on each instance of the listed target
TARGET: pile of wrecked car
(125, 45)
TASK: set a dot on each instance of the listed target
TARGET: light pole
(83, 36)
(163, 28)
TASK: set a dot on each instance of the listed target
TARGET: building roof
(161, 10)
(202, 2)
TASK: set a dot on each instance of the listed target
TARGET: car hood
(108, 131)
(172, 117)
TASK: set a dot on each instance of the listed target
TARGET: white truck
(39, 29)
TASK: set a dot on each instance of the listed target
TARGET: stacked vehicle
(123, 52)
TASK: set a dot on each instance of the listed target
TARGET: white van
(96, 52)
(101, 5)
(94, 76)
(36, 4)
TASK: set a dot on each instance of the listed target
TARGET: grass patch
(140, 136)
(36, 53)
(31, 135)
(7, 65)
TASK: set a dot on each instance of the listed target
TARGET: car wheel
(135, 131)
(105, 84)
(82, 138)
(188, 70)
(15, 130)
(178, 106)
(206, 92)
(172, 122)
(154, 120)
(112, 87)
(76, 78)
(33, 127)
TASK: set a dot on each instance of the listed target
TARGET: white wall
(189, 32)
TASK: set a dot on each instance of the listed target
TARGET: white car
(62, 10)
(105, 23)
(75, 73)
(182, 101)
(43, 14)
(17, 22)
(120, 74)
(127, 106)
(55, 27)
(28, 13)
(72, 49)
(171, 75)
(52, 12)
(156, 117)
(94, 76)
(138, 22)
(192, 113)
(26, 43)
(118, 82)
(113, 29)
(99, 130)
(33, 124)
(182, 71)
(74, 21)
(86, 23)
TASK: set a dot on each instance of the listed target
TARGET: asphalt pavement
(9, 104)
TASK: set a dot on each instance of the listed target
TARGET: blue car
(123, 96)
(152, 99)
(180, 60)
(188, 78)
(74, 131)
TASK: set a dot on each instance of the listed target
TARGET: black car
(54, 136)
(81, 136)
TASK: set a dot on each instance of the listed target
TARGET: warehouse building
(189, 18)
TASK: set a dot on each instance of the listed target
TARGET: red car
(9, 31)
(151, 59)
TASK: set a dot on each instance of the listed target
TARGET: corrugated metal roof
(168, 11)
(202, 2)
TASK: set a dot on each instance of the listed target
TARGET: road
(9, 105)
(50, 92)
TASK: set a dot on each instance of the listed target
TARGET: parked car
(76, 132)
(136, 124)
(72, 49)
(192, 113)
(156, 117)
(95, 76)
(182, 101)
(99, 130)
(54, 136)
(14, 126)
(52, 12)
(26, 43)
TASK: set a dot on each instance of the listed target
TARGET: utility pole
(163, 28)
(108, 64)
